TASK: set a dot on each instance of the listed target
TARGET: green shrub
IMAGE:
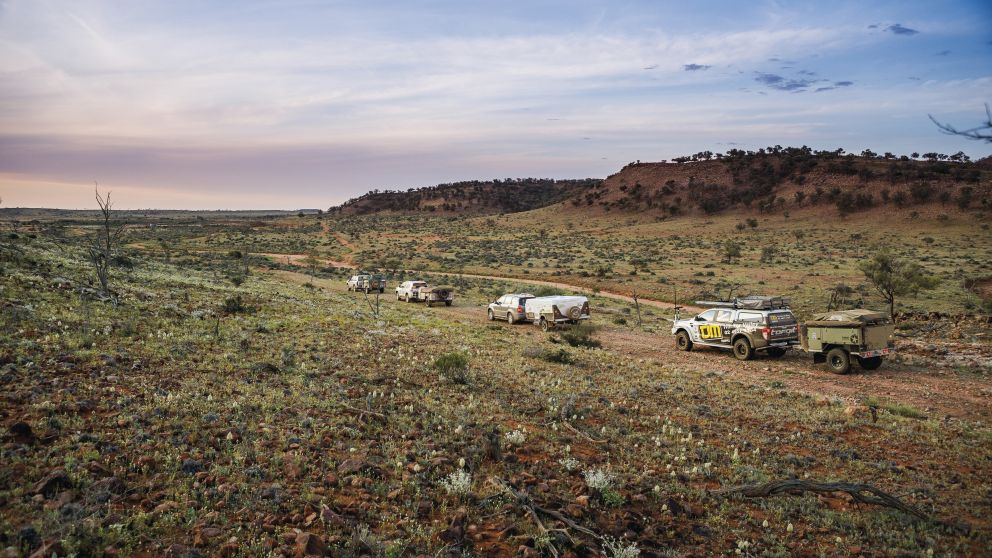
(453, 366)
(561, 356)
(580, 335)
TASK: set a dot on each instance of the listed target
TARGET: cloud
(843, 83)
(818, 89)
(944, 53)
(780, 83)
(898, 29)
(695, 67)
(651, 67)
(873, 26)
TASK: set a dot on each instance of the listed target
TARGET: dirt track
(939, 392)
(297, 259)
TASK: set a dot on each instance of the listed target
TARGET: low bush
(453, 366)
(580, 335)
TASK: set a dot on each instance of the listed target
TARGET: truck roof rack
(748, 302)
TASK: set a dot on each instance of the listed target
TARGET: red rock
(308, 544)
(52, 484)
(854, 550)
(583, 501)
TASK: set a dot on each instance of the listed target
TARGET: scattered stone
(191, 466)
(52, 484)
(265, 367)
(271, 492)
(308, 544)
(22, 433)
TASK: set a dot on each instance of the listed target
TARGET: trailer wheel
(870, 363)
(544, 325)
(839, 360)
(742, 349)
(776, 352)
(682, 341)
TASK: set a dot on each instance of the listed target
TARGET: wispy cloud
(898, 29)
(330, 97)
(781, 83)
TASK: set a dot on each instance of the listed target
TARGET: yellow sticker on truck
(710, 332)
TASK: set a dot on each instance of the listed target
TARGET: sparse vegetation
(268, 418)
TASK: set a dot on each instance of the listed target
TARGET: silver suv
(509, 307)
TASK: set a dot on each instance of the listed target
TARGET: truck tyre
(382, 290)
(398, 297)
(491, 316)
(447, 303)
(839, 360)
(509, 318)
(430, 304)
(776, 352)
(544, 324)
(742, 349)
(682, 341)
(870, 363)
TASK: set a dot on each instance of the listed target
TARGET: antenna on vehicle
(677, 307)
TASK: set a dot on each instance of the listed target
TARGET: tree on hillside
(982, 132)
(105, 242)
(893, 276)
(312, 262)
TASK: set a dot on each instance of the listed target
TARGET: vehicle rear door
(725, 326)
(782, 327)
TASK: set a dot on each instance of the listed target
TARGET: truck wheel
(544, 325)
(430, 304)
(742, 349)
(398, 297)
(682, 341)
(447, 303)
(839, 360)
(509, 318)
(382, 290)
(776, 352)
(491, 316)
(870, 363)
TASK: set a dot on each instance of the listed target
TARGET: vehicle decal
(710, 331)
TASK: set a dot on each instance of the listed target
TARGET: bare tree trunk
(105, 242)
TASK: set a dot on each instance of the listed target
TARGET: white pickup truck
(552, 311)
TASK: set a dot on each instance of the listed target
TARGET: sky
(264, 104)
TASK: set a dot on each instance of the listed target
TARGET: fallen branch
(861, 493)
(362, 411)
(579, 432)
(523, 500)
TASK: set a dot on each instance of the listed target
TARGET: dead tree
(105, 242)
(860, 493)
(634, 296)
(982, 132)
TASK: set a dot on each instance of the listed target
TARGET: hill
(778, 178)
(471, 197)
